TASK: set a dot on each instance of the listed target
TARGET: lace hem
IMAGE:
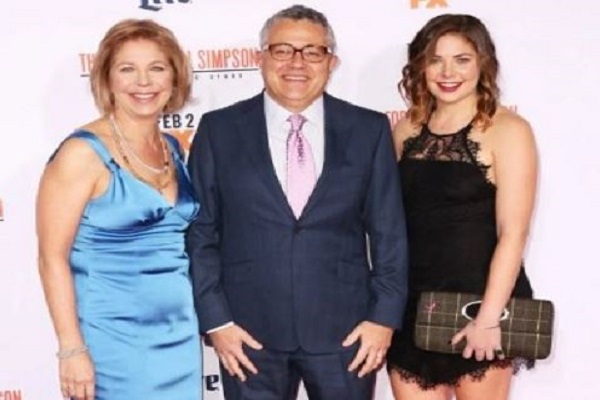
(517, 365)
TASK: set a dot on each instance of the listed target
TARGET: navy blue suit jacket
(297, 283)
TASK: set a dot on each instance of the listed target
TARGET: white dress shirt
(278, 129)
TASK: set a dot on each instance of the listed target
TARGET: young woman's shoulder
(403, 130)
(508, 125)
(510, 130)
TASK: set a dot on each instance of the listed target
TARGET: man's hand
(228, 345)
(374, 339)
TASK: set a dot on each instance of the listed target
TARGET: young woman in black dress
(468, 168)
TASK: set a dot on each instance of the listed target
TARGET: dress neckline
(465, 129)
(109, 159)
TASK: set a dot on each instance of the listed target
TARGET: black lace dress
(450, 211)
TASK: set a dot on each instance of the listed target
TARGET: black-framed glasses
(285, 52)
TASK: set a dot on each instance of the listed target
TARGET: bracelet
(63, 354)
(492, 327)
(486, 327)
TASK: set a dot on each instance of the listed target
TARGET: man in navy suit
(299, 255)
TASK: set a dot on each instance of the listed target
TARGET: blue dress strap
(96, 144)
(175, 147)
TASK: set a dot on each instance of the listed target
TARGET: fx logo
(428, 3)
(155, 5)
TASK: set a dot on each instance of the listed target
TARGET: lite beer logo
(11, 395)
(429, 3)
(156, 5)
(181, 126)
(225, 63)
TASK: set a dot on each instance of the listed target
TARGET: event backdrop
(549, 57)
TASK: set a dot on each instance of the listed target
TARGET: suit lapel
(253, 128)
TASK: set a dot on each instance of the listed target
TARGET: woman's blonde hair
(139, 29)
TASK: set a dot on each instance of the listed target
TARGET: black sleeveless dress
(450, 213)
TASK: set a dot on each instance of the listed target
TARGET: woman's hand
(483, 341)
(77, 377)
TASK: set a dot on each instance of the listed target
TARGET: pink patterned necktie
(301, 175)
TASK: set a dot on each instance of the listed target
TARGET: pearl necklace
(166, 161)
(167, 170)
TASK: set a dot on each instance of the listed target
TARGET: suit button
(297, 229)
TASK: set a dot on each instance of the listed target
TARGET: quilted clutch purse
(526, 324)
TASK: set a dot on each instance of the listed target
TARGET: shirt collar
(278, 115)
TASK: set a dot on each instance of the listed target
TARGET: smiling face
(140, 79)
(453, 70)
(295, 84)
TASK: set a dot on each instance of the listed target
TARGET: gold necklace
(165, 155)
(160, 186)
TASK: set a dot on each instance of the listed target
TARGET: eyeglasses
(285, 52)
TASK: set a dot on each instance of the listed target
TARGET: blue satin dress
(134, 294)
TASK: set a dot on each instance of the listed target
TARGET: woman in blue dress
(113, 205)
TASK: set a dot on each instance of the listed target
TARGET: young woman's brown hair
(413, 86)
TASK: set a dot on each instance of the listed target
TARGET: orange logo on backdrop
(428, 3)
(184, 137)
(1, 210)
(11, 395)
(182, 126)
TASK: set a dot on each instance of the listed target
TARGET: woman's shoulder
(404, 130)
(507, 122)
(509, 129)
(77, 147)
(99, 129)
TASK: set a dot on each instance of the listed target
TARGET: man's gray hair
(296, 13)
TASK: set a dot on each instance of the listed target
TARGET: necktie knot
(297, 120)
